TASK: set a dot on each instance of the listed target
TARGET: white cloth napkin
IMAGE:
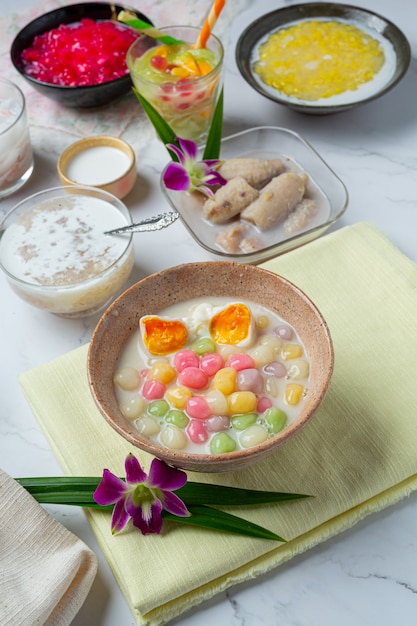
(46, 572)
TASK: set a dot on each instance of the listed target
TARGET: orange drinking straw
(208, 25)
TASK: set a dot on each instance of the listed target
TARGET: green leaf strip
(213, 143)
(206, 517)
(162, 128)
(167, 135)
(149, 29)
(201, 493)
(79, 491)
(62, 489)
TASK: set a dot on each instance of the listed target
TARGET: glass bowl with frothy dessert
(55, 253)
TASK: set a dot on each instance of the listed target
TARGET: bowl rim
(273, 20)
(71, 189)
(68, 9)
(183, 458)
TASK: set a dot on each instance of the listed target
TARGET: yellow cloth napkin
(46, 572)
(357, 455)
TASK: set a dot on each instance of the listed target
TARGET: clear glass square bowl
(268, 142)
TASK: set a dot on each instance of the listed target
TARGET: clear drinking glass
(188, 104)
(16, 163)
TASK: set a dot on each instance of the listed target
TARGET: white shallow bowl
(38, 269)
(268, 142)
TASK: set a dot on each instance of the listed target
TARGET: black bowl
(250, 38)
(82, 97)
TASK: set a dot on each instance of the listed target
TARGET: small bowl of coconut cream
(108, 163)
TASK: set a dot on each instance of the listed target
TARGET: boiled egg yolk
(232, 325)
(163, 336)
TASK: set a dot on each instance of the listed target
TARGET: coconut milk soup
(212, 376)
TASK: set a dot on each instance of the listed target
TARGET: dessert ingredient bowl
(88, 92)
(241, 237)
(108, 163)
(369, 56)
(55, 254)
(203, 400)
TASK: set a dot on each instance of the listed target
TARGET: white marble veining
(364, 577)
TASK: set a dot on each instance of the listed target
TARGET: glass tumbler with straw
(180, 80)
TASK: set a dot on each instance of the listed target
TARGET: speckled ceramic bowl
(195, 280)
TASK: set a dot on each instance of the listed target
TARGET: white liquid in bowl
(98, 165)
(57, 257)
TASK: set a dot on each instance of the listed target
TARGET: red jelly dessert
(80, 54)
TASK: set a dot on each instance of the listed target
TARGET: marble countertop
(365, 576)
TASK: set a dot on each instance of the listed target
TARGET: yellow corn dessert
(315, 59)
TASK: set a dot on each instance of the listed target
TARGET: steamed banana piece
(255, 171)
(276, 200)
(229, 200)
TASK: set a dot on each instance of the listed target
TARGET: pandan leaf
(213, 143)
(162, 128)
(79, 491)
(207, 517)
(68, 490)
(202, 493)
(146, 28)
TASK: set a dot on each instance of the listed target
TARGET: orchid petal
(177, 151)
(176, 177)
(165, 477)
(153, 522)
(110, 489)
(134, 471)
(173, 504)
(119, 518)
(214, 178)
(206, 191)
(150, 509)
(131, 507)
(189, 148)
(211, 163)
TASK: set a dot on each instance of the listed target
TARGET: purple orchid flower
(142, 497)
(188, 174)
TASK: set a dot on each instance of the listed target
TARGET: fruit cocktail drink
(180, 81)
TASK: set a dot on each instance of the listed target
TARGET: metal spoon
(158, 222)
